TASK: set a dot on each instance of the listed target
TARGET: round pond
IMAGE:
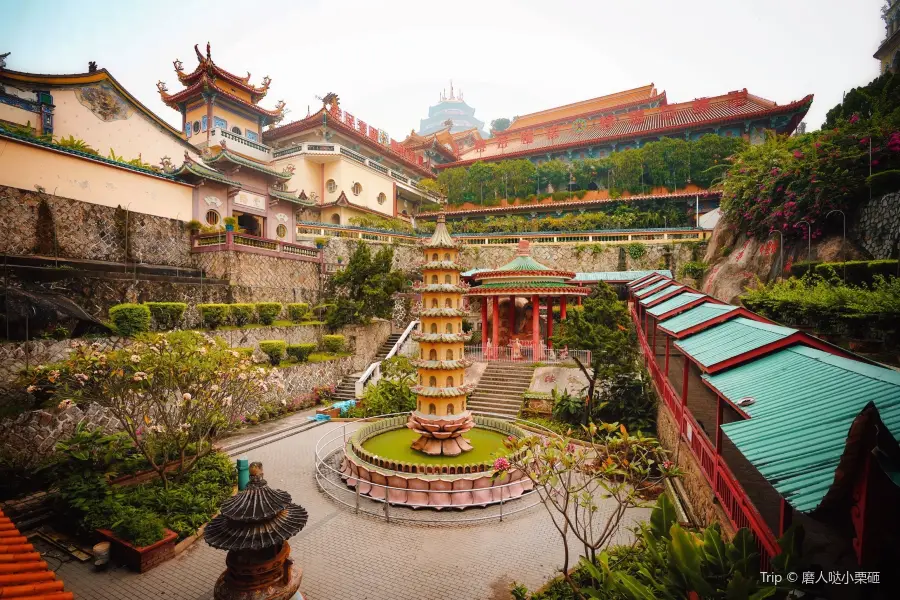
(394, 444)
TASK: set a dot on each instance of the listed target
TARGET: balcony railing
(732, 497)
(250, 148)
(525, 353)
(241, 242)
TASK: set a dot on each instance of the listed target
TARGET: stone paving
(356, 557)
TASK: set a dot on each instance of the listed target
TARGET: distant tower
(441, 416)
(454, 109)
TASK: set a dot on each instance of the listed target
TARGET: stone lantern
(254, 527)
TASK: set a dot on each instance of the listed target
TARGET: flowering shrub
(174, 394)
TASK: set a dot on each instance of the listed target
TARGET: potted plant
(230, 223)
(320, 242)
(193, 226)
(138, 539)
(340, 259)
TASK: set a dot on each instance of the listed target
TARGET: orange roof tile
(22, 572)
(594, 105)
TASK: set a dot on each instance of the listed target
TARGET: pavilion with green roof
(524, 276)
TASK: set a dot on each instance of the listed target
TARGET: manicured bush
(130, 319)
(243, 350)
(214, 315)
(138, 526)
(268, 311)
(858, 272)
(799, 269)
(298, 311)
(333, 343)
(274, 349)
(166, 315)
(300, 352)
(242, 314)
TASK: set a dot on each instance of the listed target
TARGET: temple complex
(451, 112)
(441, 416)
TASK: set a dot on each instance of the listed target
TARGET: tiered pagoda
(454, 109)
(523, 277)
(254, 527)
(441, 416)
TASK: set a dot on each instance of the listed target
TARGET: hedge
(298, 311)
(130, 319)
(268, 311)
(300, 352)
(333, 343)
(274, 349)
(856, 272)
(214, 315)
(242, 314)
(166, 315)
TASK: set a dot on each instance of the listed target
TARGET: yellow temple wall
(133, 135)
(441, 297)
(441, 323)
(346, 172)
(440, 405)
(19, 116)
(441, 376)
(307, 175)
(441, 348)
(443, 254)
(25, 166)
(441, 275)
(196, 113)
(233, 119)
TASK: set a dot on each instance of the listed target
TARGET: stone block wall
(258, 278)
(878, 226)
(406, 256)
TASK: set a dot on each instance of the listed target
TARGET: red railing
(732, 497)
(231, 240)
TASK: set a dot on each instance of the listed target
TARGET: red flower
(853, 118)
(798, 154)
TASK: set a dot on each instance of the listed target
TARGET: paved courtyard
(356, 557)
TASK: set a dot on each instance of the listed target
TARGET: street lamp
(844, 220)
(808, 240)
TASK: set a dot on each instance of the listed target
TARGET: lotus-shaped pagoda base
(441, 435)
(255, 576)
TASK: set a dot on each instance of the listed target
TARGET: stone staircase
(500, 389)
(346, 389)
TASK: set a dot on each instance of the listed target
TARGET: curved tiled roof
(227, 155)
(550, 288)
(587, 108)
(442, 312)
(440, 287)
(191, 170)
(441, 237)
(441, 364)
(450, 338)
(443, 392)
(205, 83)
(24, 574)
(205, 65)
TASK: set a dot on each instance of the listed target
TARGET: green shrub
(885, 182)
(333, 343)
(130, 319)
(858, 272)
(636, 250)
(300, 352)
(214, 315)
(243, 350)
(693, 269)
(726, 250)
(268, 311)
(166, 315)
(138, 526)
(242, 314)
(274, 349)
(799, 269)
(298, 311)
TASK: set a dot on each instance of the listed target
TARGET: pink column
(484, 323)
(549, 321)
(536, 327)
(495, 320)
(512, 316)
(562, 308)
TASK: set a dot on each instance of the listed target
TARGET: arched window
(434, 303)
(197, 126)
(434, 279)
(419, 406)
(432, 409)
(448, 303)
(336, 219)
(236, 130)
(449, 354)
(434, 328)
(450, 381)
(432, 354)
(449, 328)
(420, 380)
(434, 256)
(281, 231)
(446, 256)
(331, 186)
(432, 381)
(449, 409)
(381, 198)
(212, 218)
(448, 279)
(357, 188)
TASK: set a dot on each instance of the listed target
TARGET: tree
(455, 182)
(556, 173)
(392, 393)
(601, 325)
(482, 175)
(501, 124)
(364, 288)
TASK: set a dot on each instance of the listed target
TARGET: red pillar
(684, 387)
(580, 296)
(495, 320)
(667, 356)
(512, 316)
(536, 327)
(484, 323)
(720, 414)
(549, 321)
(785, 517)
(562, 308)
(652, 337)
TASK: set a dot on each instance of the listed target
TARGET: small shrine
(536, 284)
(441, 416)
(254, 526)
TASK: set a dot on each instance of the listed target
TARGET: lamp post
(808, 240)
(780, 253)
(844, 221)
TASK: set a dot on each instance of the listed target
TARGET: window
(450, 381)
(449, 409)
(446, 256)
(434, 303)
(447, 279)
(434, 256)
(331, 186)
(281, 231)
(434, 279)
(220, 123)
(432, 410)
(212, 217)
(203, 123)
(187, 130)
(335, 219)
(252, 136)
(432, 354)
(357, 188)
(448, 303)
(236, 130)
(449, 328)
(432, 382)
(449, 354)
(381, 198)
(434, 328)
(196, 126)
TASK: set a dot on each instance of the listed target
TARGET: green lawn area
(487, 444)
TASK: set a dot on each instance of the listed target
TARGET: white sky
(389, 60)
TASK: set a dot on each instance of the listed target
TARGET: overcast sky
(388, 60)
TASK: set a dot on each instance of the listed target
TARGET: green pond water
(395, 445)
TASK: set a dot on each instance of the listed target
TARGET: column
(580, 296)
(562, 308)
(512, 316)
(495, 320)
(667, 356)
(484, 324)
(549, 321)
(536, 327)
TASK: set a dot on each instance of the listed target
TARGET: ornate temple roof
(291, 197)
(441, 237)
(194, 172)
(450, 365)
(442, 312)
(525, 274)
(226, 156)
(449, 338)
(523, 265)
(205, 65)
(448, 288)
(443, 392)
(257, 518)
(442, 265)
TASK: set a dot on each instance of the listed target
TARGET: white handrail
(373, 373)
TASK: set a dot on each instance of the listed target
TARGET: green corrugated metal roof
(618, 275)
(730, 339)
(696, 316)
(645, 280)
(673, 303)
(656, 285)
(660, 293)
(804, 403)
(471, 272)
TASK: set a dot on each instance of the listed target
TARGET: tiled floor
(356, 557)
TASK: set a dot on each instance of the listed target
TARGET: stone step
(505, 382)
(495, 400)
(500, 391)
(512, 414)
(485, 405)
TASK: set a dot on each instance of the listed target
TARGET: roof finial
(451, 89)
